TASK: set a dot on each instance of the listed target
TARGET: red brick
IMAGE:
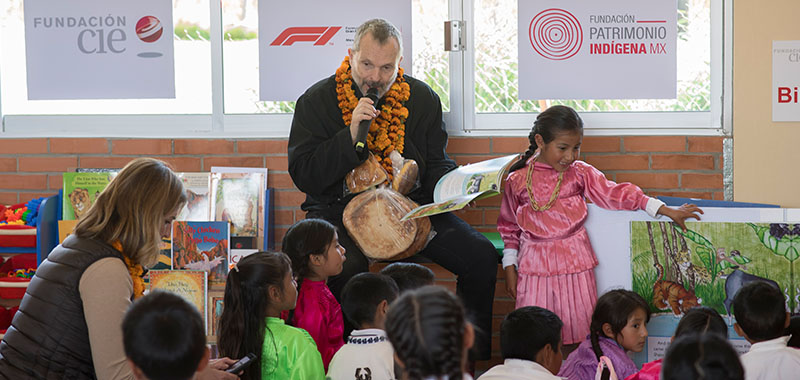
(509, 145)
(449, 285)
(21, 181)
(279, 163)
(279, 180)
(496, 322)
(289, 198)
(469, 145)
(500, 289)
(184, 164)
(234, 161)
(682, 161)
(489, 202)
(78, 145)
(55, 181)
(503, 307)
(600, 144)
(490, 216)
(650, 180)
(279, 233)
(47, 164)
(655, 143)
(263, 146)
(8, 198)
(26, 196)
(205, 147)
(471, 159)
(104, 162)
(141, 146)
(683, 194)
(705, 144)
(619, 162)
(24, 146)
(719, 196)
(701, 181)
(8, 164)
(284, 217)
(471, 216)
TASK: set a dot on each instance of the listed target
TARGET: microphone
(363, 127)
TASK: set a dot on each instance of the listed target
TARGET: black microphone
(363, 127)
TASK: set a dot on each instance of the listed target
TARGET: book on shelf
(192, 285)
(197, 186)
(202, 246)
(80, 192)
(237, 196)
(216, 314)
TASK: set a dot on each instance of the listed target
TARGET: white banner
(297, 46)
(99, 49)
(785, 80)
(610, 49)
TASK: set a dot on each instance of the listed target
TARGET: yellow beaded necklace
(529, 185)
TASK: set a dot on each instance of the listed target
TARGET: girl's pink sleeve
(609, 194)
(507, 220)
(313, 319)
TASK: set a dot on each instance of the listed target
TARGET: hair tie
(236, 267)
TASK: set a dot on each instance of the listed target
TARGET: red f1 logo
(320, 35)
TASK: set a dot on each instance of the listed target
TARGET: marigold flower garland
(387, 131)
(136, 271)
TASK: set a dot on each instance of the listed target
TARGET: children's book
(237, 196)
(80, 191)
(216, 314)
(238, 254)
(456, 189)
(202, 246)
(165, 255)
(190, 284)
(197, 186)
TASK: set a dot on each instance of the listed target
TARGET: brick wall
(661, 165)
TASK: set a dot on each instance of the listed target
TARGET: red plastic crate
(14, 287)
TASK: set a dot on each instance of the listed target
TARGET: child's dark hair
(303, 239)
(794, 331)
(702, 320)
(556, 119)
(701, 356)
(363, 293)
(760, 311)
(426, 328)
(614, 308)
(527, 330)
(165, 336)
(242, 326)
(409, 276)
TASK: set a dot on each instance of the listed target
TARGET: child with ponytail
(618, 325)
(257, 290)
(548, 259)
(313, 246)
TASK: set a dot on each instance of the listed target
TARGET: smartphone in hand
(241, 364)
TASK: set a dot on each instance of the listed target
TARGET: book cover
(237, 196)
(238, 254)
(165, 255)
(197, 186)
(216, 314)
(202, 246)
(190, 284)
(80, 191)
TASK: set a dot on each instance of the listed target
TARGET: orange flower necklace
(135, 270)
(388, 130)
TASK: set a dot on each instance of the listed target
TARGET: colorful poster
(202, 246)
(613, 49)
(297, 48)
(99, 49)
(189, 284)
(785, 80)
(675, 270)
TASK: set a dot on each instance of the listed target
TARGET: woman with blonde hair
(68, 324)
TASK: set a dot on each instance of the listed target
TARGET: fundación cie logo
(319, 35)
(555, 34)
(149, 30)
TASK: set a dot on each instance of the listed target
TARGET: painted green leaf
(705, 255)
(784, 247)
(741, 259)
(693, 236)
(791, 254)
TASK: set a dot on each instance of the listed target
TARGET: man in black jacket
(321, 153)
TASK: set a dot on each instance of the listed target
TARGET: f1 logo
(320, 35)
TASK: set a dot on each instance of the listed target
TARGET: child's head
(620, 315)
(701, 320)
(313, 246)
(557, 134)
(259, 286)
(164, 337)
(760, 312)
(532, 333)
(409, 276)
(794, 331)
(366, 298)
(429, 333)
(701, 356)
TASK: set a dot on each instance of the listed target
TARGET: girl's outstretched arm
(680, 214)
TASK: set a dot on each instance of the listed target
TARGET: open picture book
(464, 184)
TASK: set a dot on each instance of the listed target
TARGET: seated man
(530, 339)
(322, 152)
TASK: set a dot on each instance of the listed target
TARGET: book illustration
(189, 284)
(201, 246)
(457, 188)
(216, 313)
(165, 255)
(80, 191)
(238, 254)
(197, 206)
(238, 197)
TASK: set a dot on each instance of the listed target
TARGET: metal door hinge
(454, 35)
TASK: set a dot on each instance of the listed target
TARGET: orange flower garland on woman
(136, 272)
(387, 131)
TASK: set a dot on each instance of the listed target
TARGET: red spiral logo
(555, 34)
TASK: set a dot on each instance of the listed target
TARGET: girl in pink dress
(548, 259)
(313, 246)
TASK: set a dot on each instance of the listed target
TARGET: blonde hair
(131, 209)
